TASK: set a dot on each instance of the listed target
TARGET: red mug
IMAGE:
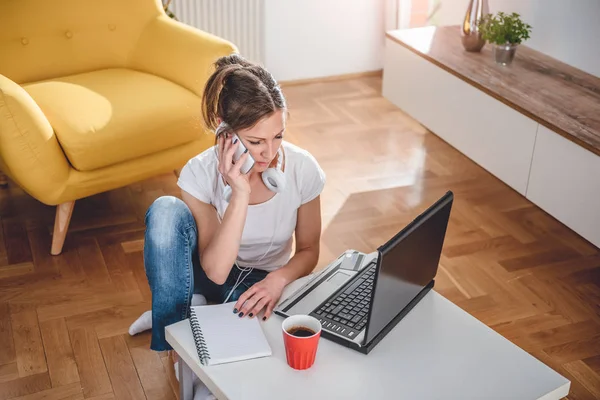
(301, 335)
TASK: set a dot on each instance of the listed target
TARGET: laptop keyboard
(346, 313)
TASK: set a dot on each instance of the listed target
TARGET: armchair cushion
(109, 116)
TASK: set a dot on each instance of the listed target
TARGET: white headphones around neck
(273, 178)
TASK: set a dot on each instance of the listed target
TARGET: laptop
(360, 297)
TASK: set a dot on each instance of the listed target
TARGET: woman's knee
(169, 243)
(168, 219)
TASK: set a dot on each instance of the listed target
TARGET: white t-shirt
(267, 237)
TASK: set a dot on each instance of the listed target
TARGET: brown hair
(241, 93)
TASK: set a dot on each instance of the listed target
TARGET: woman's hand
(231, 171)
(263, 294)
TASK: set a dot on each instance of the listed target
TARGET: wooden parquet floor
(64, 319)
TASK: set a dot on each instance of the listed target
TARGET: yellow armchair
(96, 95)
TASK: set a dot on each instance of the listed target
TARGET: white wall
(318, 38)
(567, 30)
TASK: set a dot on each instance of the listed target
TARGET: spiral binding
(201, 348)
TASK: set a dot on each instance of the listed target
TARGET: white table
(437, 351)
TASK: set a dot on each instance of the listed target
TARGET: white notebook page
(228, 337)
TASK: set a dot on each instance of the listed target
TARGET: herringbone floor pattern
(64, 319)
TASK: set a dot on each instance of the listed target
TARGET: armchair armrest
(29, 151)
(178, 52)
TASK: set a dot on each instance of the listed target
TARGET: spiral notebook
(222, 337)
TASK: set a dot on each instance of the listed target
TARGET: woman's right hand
(231, 171)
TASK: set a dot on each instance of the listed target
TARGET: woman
(237, 249)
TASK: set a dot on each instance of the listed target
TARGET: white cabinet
(553, 172)
(486, 130)
(565, 182)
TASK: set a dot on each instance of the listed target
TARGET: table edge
(558, 393)
(183, 355)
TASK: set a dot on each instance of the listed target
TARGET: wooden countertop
(557, 95)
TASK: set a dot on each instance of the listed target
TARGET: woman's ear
(222, 129)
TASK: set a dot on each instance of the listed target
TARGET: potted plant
(505, 32)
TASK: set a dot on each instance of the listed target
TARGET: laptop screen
(408, 263)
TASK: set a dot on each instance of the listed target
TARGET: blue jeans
(173, 267)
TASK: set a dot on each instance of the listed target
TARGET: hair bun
(232, 59)
(239, 92)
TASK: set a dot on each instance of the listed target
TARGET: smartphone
(238, 153)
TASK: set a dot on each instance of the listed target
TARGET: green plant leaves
(504, 28)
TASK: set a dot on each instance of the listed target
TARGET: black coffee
(301, 331)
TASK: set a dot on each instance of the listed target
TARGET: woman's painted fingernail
(264, 318)
(250, 315)
(235, 311)
(241, 314)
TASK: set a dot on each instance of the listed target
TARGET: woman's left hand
(263, 294)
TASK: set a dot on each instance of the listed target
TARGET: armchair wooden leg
(3, 180)
(61, 224)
